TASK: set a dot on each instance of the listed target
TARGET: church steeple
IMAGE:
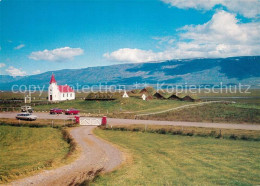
(52, 79)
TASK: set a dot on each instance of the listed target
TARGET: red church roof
(65, 88)
(52, 79)
(62, 88)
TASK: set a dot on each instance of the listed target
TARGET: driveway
(96, 155)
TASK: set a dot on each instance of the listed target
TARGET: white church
(59, 92)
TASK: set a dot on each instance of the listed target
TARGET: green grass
(24, 150)
(235, 134)
(182, 160)
(216, 112)
(133, 105)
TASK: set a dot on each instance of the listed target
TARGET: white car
(26, 116)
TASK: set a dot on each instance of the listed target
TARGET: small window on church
(70, 94)
(63, 95)
(67, 95)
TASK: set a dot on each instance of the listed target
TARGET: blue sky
(40, 36)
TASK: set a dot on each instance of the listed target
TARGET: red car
(71, 112)
(56, 111)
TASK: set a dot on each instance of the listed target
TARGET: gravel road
(115, 121)
(97, 155)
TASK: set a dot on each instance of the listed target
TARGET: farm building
(125, 95)
(100, 96)
(187, 98)
(174, 97)
(158, 96)
(148, 90)
(143, 91)
(59, 92)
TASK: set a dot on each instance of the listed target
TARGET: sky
(49, 35)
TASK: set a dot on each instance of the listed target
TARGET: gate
(90, 121)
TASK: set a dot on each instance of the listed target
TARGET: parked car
(71, 112)
(26, 116)
(26, 109)
(56, 111)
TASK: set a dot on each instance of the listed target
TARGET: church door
(50, 97)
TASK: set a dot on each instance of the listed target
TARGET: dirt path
(96, 155)
(183, 107)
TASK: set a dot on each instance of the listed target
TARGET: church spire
(52, 79)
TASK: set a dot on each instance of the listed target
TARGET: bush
(244, 137)
(161, 131)
(233, 136)
(190, 133)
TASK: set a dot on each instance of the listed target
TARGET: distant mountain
(231, 70)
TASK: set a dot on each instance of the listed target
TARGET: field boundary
(218, 133)
(183, 107)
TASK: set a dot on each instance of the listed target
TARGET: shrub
(233, 136)
(161, 131)
(243, 137)
(190, 133)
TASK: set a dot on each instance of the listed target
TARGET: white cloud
(2, 65)
(36, 72)
(15, 71)
(58, 54)
(132, 55)
(247, 8)
(19, 46)
(222, 36)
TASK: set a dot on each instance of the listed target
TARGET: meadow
(216, 112)
(156, 159)
(25, 150)
(129, 106)
(246, 108)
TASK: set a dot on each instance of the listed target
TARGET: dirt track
(96, 155)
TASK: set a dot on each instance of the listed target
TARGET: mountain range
(201, 71)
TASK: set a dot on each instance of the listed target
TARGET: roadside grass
(234, 134)
(27, 148)
(56, 123)
(182, 160)
(216, 112)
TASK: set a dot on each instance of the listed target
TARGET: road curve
(96, 155)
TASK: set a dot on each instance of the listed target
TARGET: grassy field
(234, 134)
(182, 160)
(216, 112)
(24, 150)
(133, 105)
(245, 110)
